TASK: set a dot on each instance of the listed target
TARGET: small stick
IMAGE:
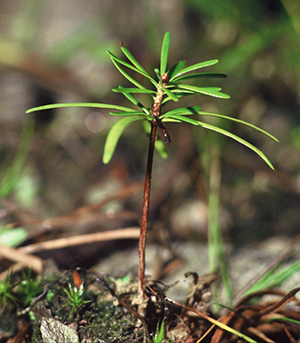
(126, 233)
(18, 256)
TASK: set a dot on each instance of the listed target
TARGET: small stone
(53, 331)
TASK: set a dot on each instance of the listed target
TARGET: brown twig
(126, 233)
(18, 256)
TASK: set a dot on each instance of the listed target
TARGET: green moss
(109, 322)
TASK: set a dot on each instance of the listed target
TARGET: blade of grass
(10, 177)
(160, 333)
(214, 322)
(274, 279)
(269, 320)
(216, 253)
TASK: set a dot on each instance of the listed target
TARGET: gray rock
(54, 331)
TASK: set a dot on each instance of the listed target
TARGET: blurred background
(51, 162)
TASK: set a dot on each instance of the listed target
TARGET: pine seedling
(167, 85)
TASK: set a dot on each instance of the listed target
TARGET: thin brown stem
(142, 240)
(156, 111)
